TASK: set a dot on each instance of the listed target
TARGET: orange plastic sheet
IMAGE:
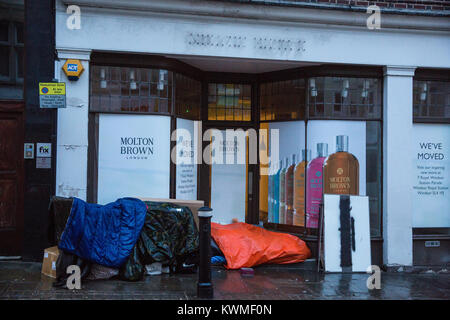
(246, 245)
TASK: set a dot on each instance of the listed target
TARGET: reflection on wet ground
(23, 280)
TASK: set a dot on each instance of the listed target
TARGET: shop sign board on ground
(346, 233)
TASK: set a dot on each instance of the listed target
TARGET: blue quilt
(104, 234)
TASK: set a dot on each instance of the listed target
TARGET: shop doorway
(231, 173)
(11, 178)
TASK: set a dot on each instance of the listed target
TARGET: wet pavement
(23, 280)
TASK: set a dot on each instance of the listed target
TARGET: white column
(397, 164)
(72, 132)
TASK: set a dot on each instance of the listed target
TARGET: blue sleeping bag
(104, 234)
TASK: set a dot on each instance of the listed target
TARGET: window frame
(13, 44)
(423, 74)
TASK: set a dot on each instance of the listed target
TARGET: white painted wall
(397, 165)
(149, 31)
(72, 139)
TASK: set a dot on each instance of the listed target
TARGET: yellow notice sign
(52, 88)
(52, 94)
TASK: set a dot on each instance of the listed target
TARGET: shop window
(431, 164)
(186, 155)
(282, 100)
(187, 97)
(431, 177)
(344, 98)
(133, 159)
(229, 102)
(123, 89)
(344, 121)
(431, 100)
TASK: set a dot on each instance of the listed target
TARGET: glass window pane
(229, 100)
(335, 97)
(373, 175)
(19, 59)
(282, 100)
(4, 61)
(4, 31)
(125, 89)
(129, 89)
(431, 99)
(19, 32)
(187, 97)
(220, 114)
(114, 73)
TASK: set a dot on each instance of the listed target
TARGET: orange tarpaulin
(246, 245)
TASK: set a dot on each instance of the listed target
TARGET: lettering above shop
(280, 45)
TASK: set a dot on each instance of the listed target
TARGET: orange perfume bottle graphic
(341, 170)
(299, 189)
(289, 191)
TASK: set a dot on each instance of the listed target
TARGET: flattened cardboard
(49, 262)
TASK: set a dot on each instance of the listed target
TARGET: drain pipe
(204, 285)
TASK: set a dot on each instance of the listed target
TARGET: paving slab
(23, 280)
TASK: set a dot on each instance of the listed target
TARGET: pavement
(23, 280)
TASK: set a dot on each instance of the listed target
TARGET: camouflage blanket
(169, 236)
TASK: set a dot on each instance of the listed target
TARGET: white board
(431, 176)
(133, 157)
(186, 166)
(361, 256)
(228, 187)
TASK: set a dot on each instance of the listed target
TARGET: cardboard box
(194, 205)
(49, 262)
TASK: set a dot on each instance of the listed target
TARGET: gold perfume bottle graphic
(341, 170)
(299, 189)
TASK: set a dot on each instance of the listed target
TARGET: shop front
(260, 118)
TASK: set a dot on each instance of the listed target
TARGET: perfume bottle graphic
(276, 193)
(282, 208)
(270, 199)
(271, 192)
(314, 186)
(341, 170)
(299, 189)
(289, 191)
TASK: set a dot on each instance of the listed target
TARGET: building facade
(329, 76)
